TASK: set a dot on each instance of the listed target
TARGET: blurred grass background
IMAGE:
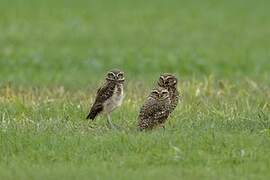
(75, 42)
(54, 53)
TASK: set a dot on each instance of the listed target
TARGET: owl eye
(155, 93)
(173, 81)
(161, 79)
(170, 81)
(111, 75)
(120, 76)
(164, 93)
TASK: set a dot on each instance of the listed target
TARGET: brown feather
(153, 113)
(103, 94)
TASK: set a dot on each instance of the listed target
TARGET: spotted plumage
(169, 82)
(109, 96)
(155, 110)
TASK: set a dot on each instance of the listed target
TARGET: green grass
(53, 54)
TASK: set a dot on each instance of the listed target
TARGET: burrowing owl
(109, 96)
(169, 82)
(156, 109)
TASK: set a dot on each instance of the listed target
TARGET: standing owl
(109, 96)
(155, 110)
(169, 82)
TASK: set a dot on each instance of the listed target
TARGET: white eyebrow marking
(168, 77)
(111, 73)
(162, 77)
(155, 91)
(164, 91)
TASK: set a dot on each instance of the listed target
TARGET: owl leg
(109, 121)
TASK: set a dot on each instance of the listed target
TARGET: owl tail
(95, 110)
(91, 116)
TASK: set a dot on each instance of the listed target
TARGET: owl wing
(103, 94)
(152, 114)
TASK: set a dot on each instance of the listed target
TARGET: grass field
(54, 54)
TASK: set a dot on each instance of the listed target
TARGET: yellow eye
(120, 76)
(110, 75)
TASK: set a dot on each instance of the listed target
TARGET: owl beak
(164, 82)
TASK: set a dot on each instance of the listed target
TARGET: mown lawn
(54, 55)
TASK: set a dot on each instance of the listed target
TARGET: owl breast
(115, 100)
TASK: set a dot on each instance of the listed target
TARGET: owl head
(115, 75)
(159, 93)
(167, 80)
